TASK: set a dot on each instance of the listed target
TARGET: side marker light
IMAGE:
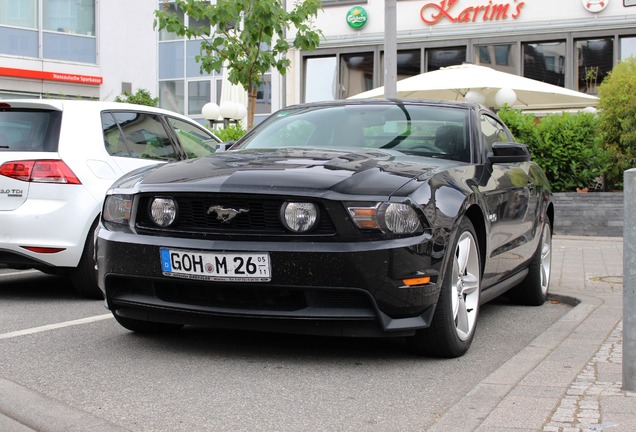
(417, 281)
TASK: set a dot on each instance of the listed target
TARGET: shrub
(231, 133)
(140, 97)
(617, 111)
(565, 145)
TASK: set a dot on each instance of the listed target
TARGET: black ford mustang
(360, 218)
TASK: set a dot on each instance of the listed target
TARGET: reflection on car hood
(294, 171)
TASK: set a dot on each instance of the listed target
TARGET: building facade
(569, 43)
(101, 48)
(92, 49)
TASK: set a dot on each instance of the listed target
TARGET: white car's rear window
(29, 130)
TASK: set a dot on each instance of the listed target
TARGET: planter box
(589, 214)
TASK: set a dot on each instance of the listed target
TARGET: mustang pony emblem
(225, 214)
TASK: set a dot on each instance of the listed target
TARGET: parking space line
(55, 326)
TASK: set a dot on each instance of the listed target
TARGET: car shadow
(33, 284)
(258, 346)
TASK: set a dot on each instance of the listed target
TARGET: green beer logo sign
(357, 17)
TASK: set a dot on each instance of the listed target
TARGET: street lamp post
(228, 112)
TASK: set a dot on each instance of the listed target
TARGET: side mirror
(509, 153)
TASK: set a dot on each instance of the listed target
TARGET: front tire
(533, 290)
(454, 322)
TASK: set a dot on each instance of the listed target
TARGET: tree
(250, 35)
(617, 110)
(140, 97)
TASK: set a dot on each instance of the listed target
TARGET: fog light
(163, 211)
(299, 217)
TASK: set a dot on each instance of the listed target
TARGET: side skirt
(503, 286)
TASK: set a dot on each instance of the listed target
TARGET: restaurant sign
(450, 10)
(357, 17)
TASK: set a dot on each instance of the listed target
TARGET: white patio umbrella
(232, 93)
(488, 86)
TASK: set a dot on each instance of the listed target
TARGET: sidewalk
(569, 378)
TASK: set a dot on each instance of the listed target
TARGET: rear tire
(533, 290)
(455, 319)
(84, 276)
(147, 327)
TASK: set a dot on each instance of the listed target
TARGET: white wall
(127, 46)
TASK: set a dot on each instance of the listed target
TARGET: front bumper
(319, 288)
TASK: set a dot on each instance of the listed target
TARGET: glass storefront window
(199, 93)
(193, 68)
(502, 57)
(320, 78)
(19, 42)
(60, 46)
(595, 58)
(437, 58)
(19, 13)
(264, 96)
(171, 95)
(545, 61)
(69, 16)
(628, 47)
(171, 8)
(356, 74)
(408, 64)
(171, 61)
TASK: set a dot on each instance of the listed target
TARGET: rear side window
(137, 135)
(29, 130)
(196, 142)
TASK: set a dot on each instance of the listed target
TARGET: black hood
(276, 171)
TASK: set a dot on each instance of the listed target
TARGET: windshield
(413, 129)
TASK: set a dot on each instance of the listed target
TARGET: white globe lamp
(475, 96)
(505, 96)
(211, 111)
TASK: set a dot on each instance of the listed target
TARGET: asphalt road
(70, 349)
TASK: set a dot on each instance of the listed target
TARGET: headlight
(163, 211)
(396, 218)
(117, 209)
(299, 217)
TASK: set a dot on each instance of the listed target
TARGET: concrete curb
(493, 399)
(44, 414)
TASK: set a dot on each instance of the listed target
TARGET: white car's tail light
(39, 171)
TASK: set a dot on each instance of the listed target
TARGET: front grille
(194, 217)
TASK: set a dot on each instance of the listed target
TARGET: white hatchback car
(58, 158)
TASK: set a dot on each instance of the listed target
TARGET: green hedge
(566, 145)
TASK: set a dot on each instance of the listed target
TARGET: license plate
(216, 266)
